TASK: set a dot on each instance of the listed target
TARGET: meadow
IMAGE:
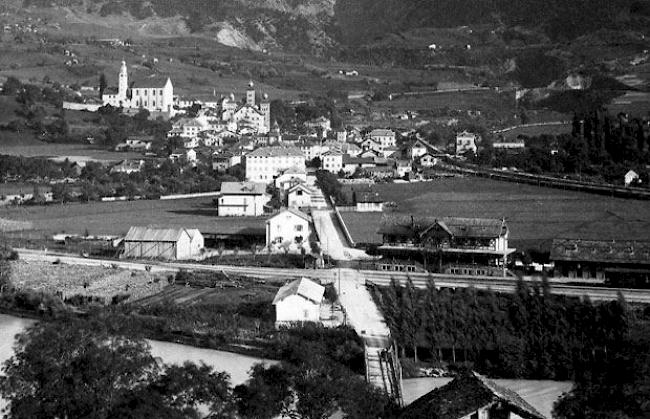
(535, 215)
(115, 218)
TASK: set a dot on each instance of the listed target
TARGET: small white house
(428, 160)
(466, 141)
(242, 199)
(290, 225)
(332, 161)
(630, 177)
(298, 302)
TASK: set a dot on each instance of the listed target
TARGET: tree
(316, 391)
(267, 394)
(11, 86)
(103, 84)
(75, 368)
(362, 400)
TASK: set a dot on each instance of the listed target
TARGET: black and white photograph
(324, 209)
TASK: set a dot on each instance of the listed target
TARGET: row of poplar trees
(528, 334)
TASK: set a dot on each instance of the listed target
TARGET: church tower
(265, 109)
(123, 82)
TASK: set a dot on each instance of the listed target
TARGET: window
(305, 313)
(299, 227)
(160, 92)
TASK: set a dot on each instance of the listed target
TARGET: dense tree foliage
(615, 386)
(330, 185)
(599, 146)
(75, 368)
(528, 334)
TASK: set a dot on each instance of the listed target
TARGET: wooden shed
(162, 243)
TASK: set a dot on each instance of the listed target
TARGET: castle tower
(123, 82)
(250, 94)
(265, 108)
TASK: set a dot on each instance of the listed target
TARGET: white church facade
(154, 98)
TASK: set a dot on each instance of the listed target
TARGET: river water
(539, 393)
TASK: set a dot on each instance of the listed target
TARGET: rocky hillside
(327, 27)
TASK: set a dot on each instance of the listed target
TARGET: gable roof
(303, 287)
(293, 211)
(243, 188)
(404, 225)
(464, 395)
(381, 132)
(622, 251)
(276, 152)
(154, 234)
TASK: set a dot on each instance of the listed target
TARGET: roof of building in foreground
(464, 395)
(303, 287)
(276, 152)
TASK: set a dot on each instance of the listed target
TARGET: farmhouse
(298, 302)
(162, 243)
(242, 199)
(383, 137)
(470, 396)
(466, 142)
(128, 166)
(291, 225)
(625, 260)
(303, 196)
(428, 160)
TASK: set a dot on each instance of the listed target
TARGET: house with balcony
(454, 243)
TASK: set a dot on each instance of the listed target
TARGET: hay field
(70, 279)
(115, 218)
(535, 215)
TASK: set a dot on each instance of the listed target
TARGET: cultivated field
(535, 215)
(115, 218)
(70, 279)
(230, 296)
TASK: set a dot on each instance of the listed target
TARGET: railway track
(380, 278)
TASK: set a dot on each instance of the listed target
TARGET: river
(539, 393)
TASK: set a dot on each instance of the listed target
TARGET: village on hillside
(250, 227)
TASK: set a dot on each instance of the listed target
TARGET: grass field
(537, 131)
(115, 218)
(73, 152)
(535, 215)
